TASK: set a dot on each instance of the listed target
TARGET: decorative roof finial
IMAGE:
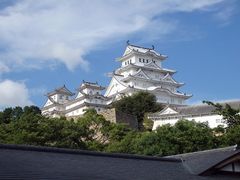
(152, 47)
(128, 42)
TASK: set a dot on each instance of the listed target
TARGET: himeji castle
(61, 103)
(141, 70)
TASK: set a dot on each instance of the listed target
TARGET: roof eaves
(212, 169)
(85, 152)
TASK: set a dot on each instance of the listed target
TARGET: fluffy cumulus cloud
(13, 94)
(34, 34)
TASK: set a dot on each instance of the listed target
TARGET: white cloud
(225, 15)
(13, 94)
(40, 33)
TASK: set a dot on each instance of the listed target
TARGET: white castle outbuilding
(141, 70)
(61, 103)
(203, 113)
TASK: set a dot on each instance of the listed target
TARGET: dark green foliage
(12, 114)
(28, 126)
(125, 145)
(185, 136)
(147, 123)
(93, 132)
(233, 135)
(138, 104)
(232, 116)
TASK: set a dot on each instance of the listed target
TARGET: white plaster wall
(74, 104)
(130, 60)
(91, 91)
(154, 75)
(62, 98)
(158, 62)
(133, 59)
(114, 87)
(76, 112)
(213, 121)
(79, 95)
(48, 103)
(162, 97)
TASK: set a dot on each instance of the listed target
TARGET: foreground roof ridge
(231, 148)
(86, 152)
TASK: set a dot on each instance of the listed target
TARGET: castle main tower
(141, 69)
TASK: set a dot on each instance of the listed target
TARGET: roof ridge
(85, 152)
(137, 46)
(89, 82)
(233, 148)
(221, 103)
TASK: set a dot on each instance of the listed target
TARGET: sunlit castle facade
(141, 69)
(61, 101)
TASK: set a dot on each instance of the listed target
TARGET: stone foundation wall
(115, 116)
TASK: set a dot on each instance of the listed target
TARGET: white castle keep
(141, 70)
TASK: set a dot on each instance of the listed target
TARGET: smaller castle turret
(61, 103)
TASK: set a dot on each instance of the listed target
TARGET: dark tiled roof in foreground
(198, 162)
(29, 162)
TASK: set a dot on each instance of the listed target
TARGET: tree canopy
(230, 115)
(138, 104)
(92, 132)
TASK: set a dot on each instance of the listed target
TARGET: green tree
(232, 135)
(138, 104)
(125, 144)
(12, 114)
(185, 136)
(147, 123)
(230, 115)
(34, 129)
(6, 115)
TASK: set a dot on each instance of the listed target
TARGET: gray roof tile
(29, 162)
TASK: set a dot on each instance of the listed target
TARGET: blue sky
(45, 44)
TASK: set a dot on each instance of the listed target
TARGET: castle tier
(60, 103)
(142, 69)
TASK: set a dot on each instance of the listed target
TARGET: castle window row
(128, 62)
(145, 60)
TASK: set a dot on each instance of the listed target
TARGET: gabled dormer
(140, 55)
(141, 74)
(169, 78)
(58, 96)
(90, 88)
